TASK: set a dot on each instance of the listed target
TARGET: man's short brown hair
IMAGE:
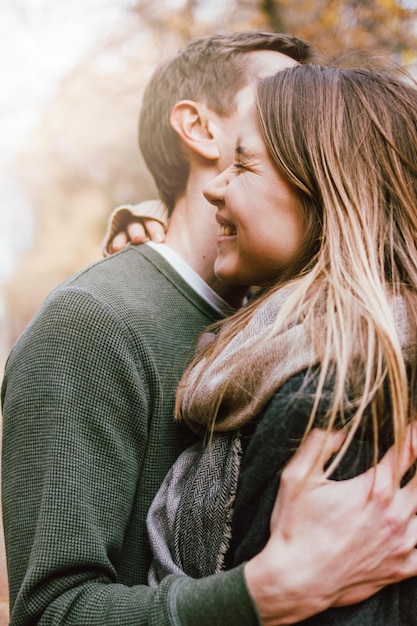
(209, 69)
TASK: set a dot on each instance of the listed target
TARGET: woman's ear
(191, 121)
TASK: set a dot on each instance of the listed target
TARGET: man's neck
(192, 234)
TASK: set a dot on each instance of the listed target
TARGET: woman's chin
(231, 278)
(231, 273)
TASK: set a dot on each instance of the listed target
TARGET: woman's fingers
(136, 232)
(118, 242)
(154, 229)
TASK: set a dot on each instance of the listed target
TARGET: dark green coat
(266, 452)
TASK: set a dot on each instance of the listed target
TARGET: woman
(319, 210)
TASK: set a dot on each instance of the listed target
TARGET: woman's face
(260, 222)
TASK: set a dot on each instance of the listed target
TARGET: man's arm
(367, 543)
(339, 542)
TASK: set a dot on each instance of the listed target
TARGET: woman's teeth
(227, 230)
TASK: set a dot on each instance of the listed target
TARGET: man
(88, 398)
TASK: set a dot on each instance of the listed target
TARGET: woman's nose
(214, 190)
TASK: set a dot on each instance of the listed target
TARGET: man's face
(261, 63)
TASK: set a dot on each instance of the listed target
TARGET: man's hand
(334, 542)
(135, 224)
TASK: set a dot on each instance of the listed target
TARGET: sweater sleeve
(122, 215)
(221, 599)
(76, 406)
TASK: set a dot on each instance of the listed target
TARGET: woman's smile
(261, 224)
(226, 229)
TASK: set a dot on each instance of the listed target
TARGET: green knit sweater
(88, 436)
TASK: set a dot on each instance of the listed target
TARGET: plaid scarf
(248, 371)
(189, 522)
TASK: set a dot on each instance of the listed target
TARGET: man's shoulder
(134, 282)
(141, 273)
(136, 270)
(134, 264)
(127, 294)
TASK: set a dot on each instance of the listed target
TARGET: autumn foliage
(83, 158)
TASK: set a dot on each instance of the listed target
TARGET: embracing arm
(331, 544)
(75, 435)
(339, 541)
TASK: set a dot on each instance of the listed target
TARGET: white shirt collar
(192, 278)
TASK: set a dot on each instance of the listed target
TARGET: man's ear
(192, 123)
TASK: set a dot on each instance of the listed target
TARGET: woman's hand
(135, 224)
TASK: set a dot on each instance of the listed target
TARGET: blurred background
(72, 76)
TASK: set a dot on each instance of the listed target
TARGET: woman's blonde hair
(346, 140)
